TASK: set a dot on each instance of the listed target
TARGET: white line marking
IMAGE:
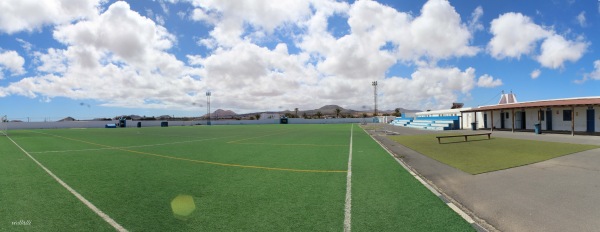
(456, 209)
(104, 216)
(348, 207)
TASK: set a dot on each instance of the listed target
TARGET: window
(506, 114)
(542, 115)
(566, 115)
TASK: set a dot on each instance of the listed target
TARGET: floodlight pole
(208, 106)
(374, 83)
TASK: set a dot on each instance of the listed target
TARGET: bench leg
(489, 136)
(465, 138)
(438, 140)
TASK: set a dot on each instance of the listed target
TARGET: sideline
(99, 212)
(431, 188)
(348, 206)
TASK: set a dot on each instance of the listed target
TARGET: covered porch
(576, 116)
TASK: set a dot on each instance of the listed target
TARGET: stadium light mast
(208, 106)
(374, 83)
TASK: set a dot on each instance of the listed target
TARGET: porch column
(513, 120)
(492, 114)
(475, 118)
(462, 120)
(572, 120)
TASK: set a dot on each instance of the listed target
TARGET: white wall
(580, 119)
(101, 124)
(468, 118)
(531, 118)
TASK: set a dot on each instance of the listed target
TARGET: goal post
(4, 125)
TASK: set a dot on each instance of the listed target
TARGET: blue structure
(402, 120)
(429, 123)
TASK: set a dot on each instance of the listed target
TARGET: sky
(100, 58)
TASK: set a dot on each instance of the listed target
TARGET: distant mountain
(331, 108)
(325, 110)
(222, 113)
(67, 119)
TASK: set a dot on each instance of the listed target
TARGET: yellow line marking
(278, 133)
(295, 144)
(135, 146)
(201, 161)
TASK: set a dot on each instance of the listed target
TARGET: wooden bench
(466, 135)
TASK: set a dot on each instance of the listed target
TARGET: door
(523, 122)
(502, 120)
(485, 120)
(590, 120)
(518, 118)
(549, 119)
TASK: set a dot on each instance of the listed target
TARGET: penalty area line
(104, 216)
(348, 205)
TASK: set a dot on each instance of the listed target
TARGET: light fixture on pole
(208, 106)
(374, 83)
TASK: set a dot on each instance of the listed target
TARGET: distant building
(265, 116)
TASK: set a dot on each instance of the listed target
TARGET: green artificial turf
(480, 155)
(242, 178)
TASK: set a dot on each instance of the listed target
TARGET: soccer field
(212, 178)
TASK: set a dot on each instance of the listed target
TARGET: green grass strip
(480, 155)
(29, 195)
(387, 198)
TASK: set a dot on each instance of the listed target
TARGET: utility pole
(374, 83)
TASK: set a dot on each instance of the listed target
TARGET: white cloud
(581, 19)
(122, 59)
(487, 81)
(474, 23)
(594, 75)
(428, 88)
(535, 73)
(12, 61)
(229, 16)
(119, 31)
(55, 61)
(361, 54)
(439, 22)
(29, 15)
(119, 58)
(514, 35)
(556, 50)
(25, 45)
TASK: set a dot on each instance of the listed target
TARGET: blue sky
(94, 58)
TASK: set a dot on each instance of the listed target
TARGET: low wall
(101, 124)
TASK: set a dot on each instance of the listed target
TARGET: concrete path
(561, 194)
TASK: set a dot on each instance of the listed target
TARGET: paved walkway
(561, 194)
